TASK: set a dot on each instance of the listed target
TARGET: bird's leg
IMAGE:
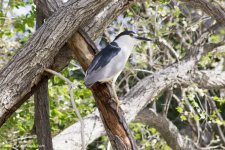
(115, 97)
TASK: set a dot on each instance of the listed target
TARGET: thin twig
(143, 70)
(71, 85)
(191, 109)
(168, 98)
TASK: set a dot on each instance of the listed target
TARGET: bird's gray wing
(103, 57)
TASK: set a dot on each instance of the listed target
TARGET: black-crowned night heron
(110, 61)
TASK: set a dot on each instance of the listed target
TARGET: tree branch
(166, 128)
(41, 105)
(208, 79)
(211, 8)
(42, 123)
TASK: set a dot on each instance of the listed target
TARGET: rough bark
(209, 79)
(113, 119)
(24, 71)
(42, 123)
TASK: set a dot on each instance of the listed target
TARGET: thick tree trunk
(41, 105)
(42, 123)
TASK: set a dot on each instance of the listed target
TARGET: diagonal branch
(166, 128)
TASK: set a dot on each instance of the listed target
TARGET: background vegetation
(198, 113)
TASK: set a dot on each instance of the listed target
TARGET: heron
(111, 60)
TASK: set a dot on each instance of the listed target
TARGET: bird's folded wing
(103, 57)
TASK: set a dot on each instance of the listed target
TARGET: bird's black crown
(125, 33)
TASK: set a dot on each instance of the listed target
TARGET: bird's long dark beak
(143, 38)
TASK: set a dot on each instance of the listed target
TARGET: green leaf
(215, 38)
(179, 109)
(183, 118)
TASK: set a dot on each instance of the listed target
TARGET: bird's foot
(118, 103)
(111, 86)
